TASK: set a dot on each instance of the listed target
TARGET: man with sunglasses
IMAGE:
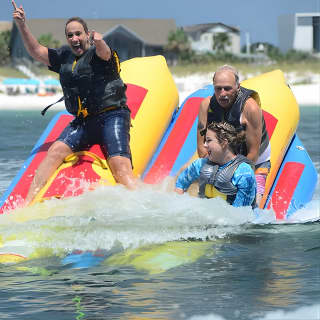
(240, 107)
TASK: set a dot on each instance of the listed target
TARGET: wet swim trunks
(111, 130)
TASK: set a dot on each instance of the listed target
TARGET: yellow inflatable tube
(155, 112)
(281, 115)
(152, 98)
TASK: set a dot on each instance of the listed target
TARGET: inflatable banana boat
(292, 178)
(163, 140)
(170, 141)
(152, 99)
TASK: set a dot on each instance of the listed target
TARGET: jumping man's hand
(18, 13)
(94, 36)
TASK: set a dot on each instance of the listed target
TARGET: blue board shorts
(110, 129)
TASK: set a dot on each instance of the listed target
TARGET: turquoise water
(243, 270)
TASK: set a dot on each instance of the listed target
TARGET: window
(304, 21)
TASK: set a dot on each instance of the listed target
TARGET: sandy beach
(29, 102)
(305, 94)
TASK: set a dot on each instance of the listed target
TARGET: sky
(258, 18)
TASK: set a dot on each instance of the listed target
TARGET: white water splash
(111, 215)
(114, 216)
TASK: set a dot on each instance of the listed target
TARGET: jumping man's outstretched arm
(34, 48)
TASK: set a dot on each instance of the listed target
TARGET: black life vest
(217, 114)
(217, 183)
(88, 86)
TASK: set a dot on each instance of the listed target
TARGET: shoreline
(30, 102)
(305, 94)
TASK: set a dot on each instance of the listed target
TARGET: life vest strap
(50, 105)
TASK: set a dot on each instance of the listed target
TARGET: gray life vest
(217, 114)
(212, 179)
(89, 86)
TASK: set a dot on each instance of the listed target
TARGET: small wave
(309, 313)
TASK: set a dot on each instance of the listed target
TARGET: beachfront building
(201, 37)
(300, 31)
(129, 37)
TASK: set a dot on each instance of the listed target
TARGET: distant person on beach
(240, 107)
(93, 92)
(224, 172)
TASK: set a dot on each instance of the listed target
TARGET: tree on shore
(220, 42)
(178, 44)
(4, 47)
(48, 40)
(275, 54)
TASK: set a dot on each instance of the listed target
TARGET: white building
(201, 37)
(300, 31)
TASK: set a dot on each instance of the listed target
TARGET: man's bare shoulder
(251, 111)
(251, 106)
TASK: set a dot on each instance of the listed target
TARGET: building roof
(151, 31)
(206, 26)
(5, 25)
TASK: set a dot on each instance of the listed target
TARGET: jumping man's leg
(55, 156)
(115, 140)
(122, 171)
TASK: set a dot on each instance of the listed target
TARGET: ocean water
(154, 254)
